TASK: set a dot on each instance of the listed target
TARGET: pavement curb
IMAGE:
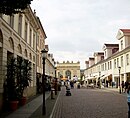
(51, 116)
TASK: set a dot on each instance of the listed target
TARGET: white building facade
(116, 56)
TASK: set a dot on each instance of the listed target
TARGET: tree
(10, 85)
(9, 7)
(23, 74)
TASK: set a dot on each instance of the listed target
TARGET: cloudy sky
(76, 29)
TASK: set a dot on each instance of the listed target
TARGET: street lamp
(44, 56)
(55, 82)
(119, 68)
(99, 79)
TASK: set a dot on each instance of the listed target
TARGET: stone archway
(68, 74)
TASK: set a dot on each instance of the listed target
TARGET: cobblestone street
(91, 103)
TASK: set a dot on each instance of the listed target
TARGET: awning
(64, 78)
(90, 78)
(103, 77)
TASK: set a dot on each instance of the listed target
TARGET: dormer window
(121, 44)
(105, 53)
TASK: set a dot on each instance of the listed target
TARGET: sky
(76, 29)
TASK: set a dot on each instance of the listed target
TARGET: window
(20, 25)
(110, 65)
(38, 60)
(105, 66)
(102, 57)
(38, 40)
(117, 62)
(121, 61)
(127, 59)
(34, 39)
(30, 37)
(26, 28)
(114, 63)
(11, 22)
(121, 44)
(105, 53)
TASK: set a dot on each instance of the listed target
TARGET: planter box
(14, 105)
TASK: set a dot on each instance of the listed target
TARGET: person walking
(122, 86)
(128, 100)
(126, 85)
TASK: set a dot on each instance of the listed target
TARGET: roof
(91, 58)
(99, 53)
(111, 45)
(125, 30)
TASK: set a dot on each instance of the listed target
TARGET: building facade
(114, 67)
(23, 36)
(68, 70)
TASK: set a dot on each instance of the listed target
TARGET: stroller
(68, 93)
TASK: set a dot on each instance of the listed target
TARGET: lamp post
(44, 56)
(99, 79)
(119, 68)
(55, 82)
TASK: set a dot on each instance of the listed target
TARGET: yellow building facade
(68, 70)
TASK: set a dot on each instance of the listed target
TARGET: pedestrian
(128, 100)
(126, 85)
(122, 86)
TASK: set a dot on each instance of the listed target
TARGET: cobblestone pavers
(90, 103)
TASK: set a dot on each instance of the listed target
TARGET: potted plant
(10, 85)
(23, 77)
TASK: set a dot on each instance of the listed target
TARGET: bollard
(52, 93)
(68, 93)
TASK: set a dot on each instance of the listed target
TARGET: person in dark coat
(126, 85)
(122, 86)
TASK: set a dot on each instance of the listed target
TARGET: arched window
(30, 55)
(25, 52)
(68, 74)
(11, 43)
(19, 49)
(1, 37)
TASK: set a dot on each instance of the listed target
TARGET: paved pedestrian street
(90, 103)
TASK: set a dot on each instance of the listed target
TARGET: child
(128, 100)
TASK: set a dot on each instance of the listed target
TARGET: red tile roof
(111, 45)
(125, 30)
(91, 58)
